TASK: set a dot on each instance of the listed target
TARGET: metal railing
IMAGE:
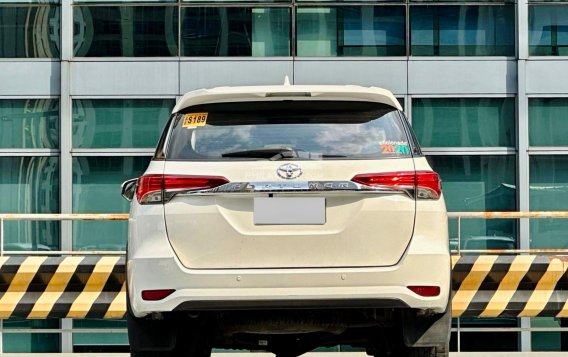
(123, 217)
(506, 215)
(59, 217)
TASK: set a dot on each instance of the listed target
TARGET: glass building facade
(87, 86)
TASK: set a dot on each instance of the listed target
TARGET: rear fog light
(154, 295)
(426, 291)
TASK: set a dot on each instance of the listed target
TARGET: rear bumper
(288, 288)
(152, 265)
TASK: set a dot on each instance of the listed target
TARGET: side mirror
(128, 189)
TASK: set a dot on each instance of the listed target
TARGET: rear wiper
(264, 152)
(301, 154)
(278, 153)
(287, 154)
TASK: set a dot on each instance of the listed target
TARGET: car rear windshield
(303, 130)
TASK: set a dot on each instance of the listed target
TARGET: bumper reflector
(154, 295)
(427, 291)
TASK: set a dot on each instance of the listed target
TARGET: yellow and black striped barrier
(39, 287)
(94, 286)
(510, 286)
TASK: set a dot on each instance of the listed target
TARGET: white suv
(286, 218)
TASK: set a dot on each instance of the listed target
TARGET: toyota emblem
(289, 171)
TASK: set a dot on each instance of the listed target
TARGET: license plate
(289, 210)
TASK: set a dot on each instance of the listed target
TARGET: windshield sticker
(395, 147)
(193, 120)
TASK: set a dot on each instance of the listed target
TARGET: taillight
(187, 182)
(391, 179)
(426, 183)
(149, 189)
(152, 188)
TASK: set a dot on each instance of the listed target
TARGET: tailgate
(230, 230)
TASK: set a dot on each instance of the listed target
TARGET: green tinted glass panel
(127, 31)
(235, 31)
(234, 1)
(468, 30)
(30, 342)
(467, 122)
(548, 30)
(351, 31)
(479, 183)
(29, 123)
(548, 121)
(96, 188)
(548, 192)
(98, 339)
(19, 2)
(119, 123)
(462, 1)
(30, 185)
(546, 341)
(485, 341)
(29, 32)
(123, 1)
(489, 341)
(359, 1)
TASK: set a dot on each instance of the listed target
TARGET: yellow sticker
(192, 120)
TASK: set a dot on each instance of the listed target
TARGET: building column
(66, 175)
(523, 145)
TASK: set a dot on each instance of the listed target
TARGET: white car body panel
(218, 232)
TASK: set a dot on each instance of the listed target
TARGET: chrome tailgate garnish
(279, 187)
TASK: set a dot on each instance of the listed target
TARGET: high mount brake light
(151, 188)
(427, 183)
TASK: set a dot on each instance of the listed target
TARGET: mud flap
(151, 335)
(426, 331)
